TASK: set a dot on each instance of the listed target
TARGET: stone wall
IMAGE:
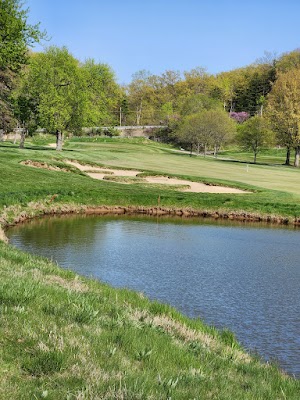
(127, 131)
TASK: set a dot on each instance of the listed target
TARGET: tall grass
(64, 336)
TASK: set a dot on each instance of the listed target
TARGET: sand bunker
(195, 187)
(100, 172)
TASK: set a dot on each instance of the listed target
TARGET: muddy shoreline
(44, 210)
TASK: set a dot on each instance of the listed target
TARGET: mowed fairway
(270, 190)
(159, 158)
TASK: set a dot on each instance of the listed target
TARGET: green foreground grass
(67, 337)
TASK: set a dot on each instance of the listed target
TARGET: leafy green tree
(197, 103)
(7, 120)
(197, 81)
(16, 34)
(102, 94)
(191, 132)
(244, 89)
(225, 87)
(259, 80)
(124, 111)
(148, 96)
(255, 134)
(288, 61)
(24, 105)
(222, 128)
(167, 112)
(206, 128)
(25, 113)
(138, 96)
(58, 88)
(169, 88)
(283, 110)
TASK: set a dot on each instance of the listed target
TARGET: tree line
(257, 105)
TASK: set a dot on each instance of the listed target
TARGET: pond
(243, 277)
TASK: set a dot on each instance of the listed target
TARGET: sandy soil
(43, 165)
(195, 187)
(102, 170)
(3, 237)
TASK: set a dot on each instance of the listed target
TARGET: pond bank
(205, 268)
(125, 345)
(16, 214)
(62, 333)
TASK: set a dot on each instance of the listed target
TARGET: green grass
(276, 188)
(156, 157)
(275, 156)
(66, 337)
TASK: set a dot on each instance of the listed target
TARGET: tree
(6, 112)
(58, 88)
(197, 103)
(167, 112)
(239, 117)
(288, 61)
(283, 110)
(102, 94)
(137, 95)
(192, 132)
(254, 134)
(256, 83)
(244, 89)
(221, 127)
(24, 106)
(148, 95)
(197, 81)
(227, 86)
(207, 128)
(15, 37)
(123, 108)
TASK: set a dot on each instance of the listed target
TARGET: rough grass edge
(14, 215)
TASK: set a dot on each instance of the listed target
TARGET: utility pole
(120, 116)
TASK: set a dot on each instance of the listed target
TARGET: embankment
(16, 214)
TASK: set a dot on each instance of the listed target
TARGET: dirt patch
(3, 237)
(43, 165)
(185, 334)
(195, 187)
(75, 284)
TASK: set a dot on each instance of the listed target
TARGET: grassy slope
(20, 184)
(154, 157)
(63, 336)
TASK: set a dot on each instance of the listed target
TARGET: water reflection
(235, 275)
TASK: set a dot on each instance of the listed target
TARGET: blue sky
(132, 35)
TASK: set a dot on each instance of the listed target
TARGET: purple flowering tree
(239, 117)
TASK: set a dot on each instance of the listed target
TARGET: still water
(243, 277)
